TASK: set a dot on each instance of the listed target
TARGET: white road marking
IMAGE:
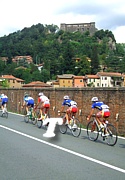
(66, 150)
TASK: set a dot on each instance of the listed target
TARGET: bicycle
(4, 112)
(108, 132)
(46, 115)
(76, 131)
(30, 116)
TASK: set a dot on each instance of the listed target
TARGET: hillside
(60, 52)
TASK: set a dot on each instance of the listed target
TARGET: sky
(109, 15)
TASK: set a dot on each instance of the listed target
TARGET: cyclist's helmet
(40, 94)
(94, 99)
(66, 97)
(2, 95)
(26, 95)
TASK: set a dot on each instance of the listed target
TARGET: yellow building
(13, 82)
(65, 80)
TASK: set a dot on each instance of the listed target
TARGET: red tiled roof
(36, 84)
(109, 74)
(92, 76)
(79, 77)
(10, 77)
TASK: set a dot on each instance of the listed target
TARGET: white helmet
(41, 94)
(66, 97)
(94, 99)
(2, 95)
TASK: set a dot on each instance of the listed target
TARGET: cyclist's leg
(98, 118)
(41, 111)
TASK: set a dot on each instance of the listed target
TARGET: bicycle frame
(69, 125)
(4, 111)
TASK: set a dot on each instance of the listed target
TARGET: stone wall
(114, 97)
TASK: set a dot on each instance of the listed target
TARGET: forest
(60, 52)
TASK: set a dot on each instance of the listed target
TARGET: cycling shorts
(73, 109)
(46, 104)
(103, 113)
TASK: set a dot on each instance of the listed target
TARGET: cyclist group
(44, 104)
(102, 112)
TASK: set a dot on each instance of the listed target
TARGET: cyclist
(4, 101)
(28, 102)
(103, 110)
(71, 110)
(44, 104)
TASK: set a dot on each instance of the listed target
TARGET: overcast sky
(18, 14)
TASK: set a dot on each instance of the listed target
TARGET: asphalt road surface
(26, 155)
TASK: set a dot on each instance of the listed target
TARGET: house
(92, 80)
(110, 79)
(53, 83)
(12, 81)
(65, 80)
(27, 59)
(36, 84)
(79, 81)
(105, 79)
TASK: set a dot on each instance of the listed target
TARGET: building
(79, 81)
(110, 79)
(93, 80)
(65, 80)
(13, 82)
(18, 59)
(105, 79)
(81, 27)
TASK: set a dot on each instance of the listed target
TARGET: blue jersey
(99, 105)
(69, 103)
(29, 100)
(4, 99)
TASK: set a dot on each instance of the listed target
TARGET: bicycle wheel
(111, 136)
(26, 118)
(5, 115)
(34, 120)
(92, 131)
(76, 131)
(63, 128)
(39, 123)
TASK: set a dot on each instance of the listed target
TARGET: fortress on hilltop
(81, 27)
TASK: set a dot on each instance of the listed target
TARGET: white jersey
(43, 99)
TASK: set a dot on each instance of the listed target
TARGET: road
(26, 155)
